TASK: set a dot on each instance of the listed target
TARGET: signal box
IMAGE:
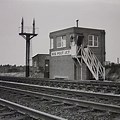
(77, 53)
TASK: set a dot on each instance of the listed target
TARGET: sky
(52, 15)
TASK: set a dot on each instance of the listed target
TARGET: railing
(28, 29)
(93, 63)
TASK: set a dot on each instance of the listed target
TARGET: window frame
(58, 42)
(93, 40)
(51, 43)
(61, 41)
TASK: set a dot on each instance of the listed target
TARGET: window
(64, 41)
(59, 44)
(93, 41)
(96, 41)
(51, 43)
(61, 41)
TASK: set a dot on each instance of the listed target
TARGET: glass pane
(95, 37)
(95, 42)
(59, 42)
(63, 43)
(64, 37)
(90, 37)
(51, 43)
(90, 43)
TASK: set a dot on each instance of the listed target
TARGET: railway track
(8, 113)
(70, 109)
(12, 111)
(73, 102)
(97, 86)
(61, 101)
(83, 103)
(70, 93)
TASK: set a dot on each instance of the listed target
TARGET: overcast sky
(52, 15)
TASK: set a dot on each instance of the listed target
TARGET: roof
(41, 55)
(74, 28)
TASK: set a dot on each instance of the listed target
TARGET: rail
(66, 83)
(82, 103)
(62, 90)
(32, 112)
(38, 80)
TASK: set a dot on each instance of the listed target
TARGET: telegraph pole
(27, 34)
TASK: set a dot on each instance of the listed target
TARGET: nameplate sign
(61, 53)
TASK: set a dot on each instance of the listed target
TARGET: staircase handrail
(87, 59)
(96, 66)
(101, 68)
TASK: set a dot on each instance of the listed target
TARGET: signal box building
(40, 63)
(77, 53)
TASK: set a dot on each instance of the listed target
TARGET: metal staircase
(92, 62)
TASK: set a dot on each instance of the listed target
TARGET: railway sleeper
(20, 118)
(57, 104)
(117, 90)
(2, 109)
(7, 113)
(69, 107)
(97, 89)
(89, 88)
